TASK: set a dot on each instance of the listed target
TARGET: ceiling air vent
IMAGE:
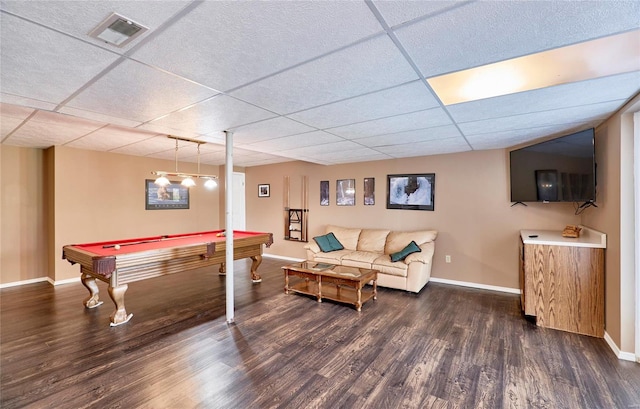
(117, 30)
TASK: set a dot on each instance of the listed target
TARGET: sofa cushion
(402, 254)
(362, 257)
(396, 241)
(385, 266)
(328, 243)
(347, 236)
(372, 240)
(334, 257)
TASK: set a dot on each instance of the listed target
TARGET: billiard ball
(117, 247)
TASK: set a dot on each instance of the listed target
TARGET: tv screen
(558, 170)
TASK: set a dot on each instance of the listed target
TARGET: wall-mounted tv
(559, 170)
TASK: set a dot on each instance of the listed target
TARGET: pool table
(120, 262)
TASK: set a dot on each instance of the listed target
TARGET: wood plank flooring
(447, 347)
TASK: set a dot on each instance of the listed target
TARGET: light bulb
(188, 182)
(210, 184)
(162, 181)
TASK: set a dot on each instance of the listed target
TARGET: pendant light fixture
(187, 178)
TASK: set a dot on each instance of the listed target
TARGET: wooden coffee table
(332, 282)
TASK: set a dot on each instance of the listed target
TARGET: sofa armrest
(312, 249)
(425, 256)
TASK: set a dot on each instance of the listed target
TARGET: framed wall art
(411, 191)
(346, 192)
(369, 191)
(324, 193)
(264, 190)
(172, 196)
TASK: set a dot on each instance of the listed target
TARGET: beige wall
(100, 196)
(22, 215)
(476, 223)
(614, 216)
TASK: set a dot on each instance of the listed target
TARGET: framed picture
(346, 192)
(264, 190)
(369, 191)
(324, 193)
(411, 192)
(172, 196)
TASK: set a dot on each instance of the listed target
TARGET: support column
(228, 195)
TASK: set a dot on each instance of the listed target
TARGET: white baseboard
(67, 281)
(626, 356)
(476, 285)
(283, 257)
(24, 282)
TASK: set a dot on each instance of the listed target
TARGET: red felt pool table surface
(106, 248)
(148, 257)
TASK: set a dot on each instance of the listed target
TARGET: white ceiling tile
(593, 91)
(398, 12)
(78, 18)
(319, 149)
(149, 146)
(139, 93)
(110, 137)
(26, 102)
(433, 147)
(394, 101)
(417, 120)
(227, 44)
(507, 139)
(295, 141)
(15, 111)
(268, 129)
(46, 129)
(480, 30)
(33, 56)
(361, 154)
(216, 114)
(365, 67)
(151, 127)
(8, 124)
(99, 117)
(414, 136)
(586, 113)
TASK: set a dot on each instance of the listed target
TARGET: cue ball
(117, 247)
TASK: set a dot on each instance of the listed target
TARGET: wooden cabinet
(562, 280)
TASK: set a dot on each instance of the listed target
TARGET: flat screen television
(559, 170)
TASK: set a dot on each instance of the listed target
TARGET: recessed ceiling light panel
(117, 30)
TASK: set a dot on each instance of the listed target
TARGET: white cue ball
(117, 247)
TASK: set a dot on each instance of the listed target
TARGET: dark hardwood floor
(447, 347)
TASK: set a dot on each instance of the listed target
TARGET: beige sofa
(371, 248)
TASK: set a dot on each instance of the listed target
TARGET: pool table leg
(119, 316)
(93, 300)
(255, 277)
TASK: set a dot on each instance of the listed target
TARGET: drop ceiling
(326, 82)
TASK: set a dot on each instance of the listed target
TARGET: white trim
(626, 356)
(476, 285)
(62, 282)
(283, 257)
(24, 282)
(636, 161)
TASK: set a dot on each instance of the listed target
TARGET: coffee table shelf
(337, 283)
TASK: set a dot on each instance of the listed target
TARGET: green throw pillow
(402, 254)
(328, 243)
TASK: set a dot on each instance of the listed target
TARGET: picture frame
(369, 191)
(324, 193)
(170, 197)
(346, 192)
(264, 190)
(414, 191)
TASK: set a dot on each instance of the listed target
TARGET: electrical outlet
(447, 258)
